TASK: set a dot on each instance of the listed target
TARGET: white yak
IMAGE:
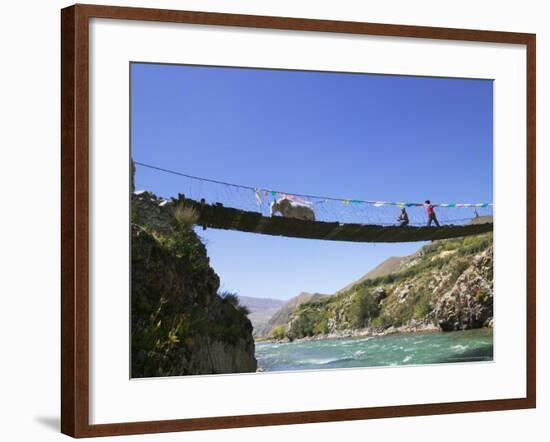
(292, 209)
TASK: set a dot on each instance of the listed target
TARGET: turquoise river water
(401, 349)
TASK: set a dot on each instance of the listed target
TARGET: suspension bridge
(222, 205)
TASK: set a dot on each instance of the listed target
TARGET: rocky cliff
(181, 325)
(447, 285)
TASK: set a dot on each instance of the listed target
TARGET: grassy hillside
(448, 284)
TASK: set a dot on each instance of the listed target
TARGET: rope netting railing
(326, 209)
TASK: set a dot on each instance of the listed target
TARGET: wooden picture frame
(75, 219)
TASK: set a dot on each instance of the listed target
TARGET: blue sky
(368, 137)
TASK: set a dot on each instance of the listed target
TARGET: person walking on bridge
(431, 213)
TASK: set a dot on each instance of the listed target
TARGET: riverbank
(413, 327)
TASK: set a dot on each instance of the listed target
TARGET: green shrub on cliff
(233, 299)
(185, 216)
(278, 332)
(160, 335)
(362, 308)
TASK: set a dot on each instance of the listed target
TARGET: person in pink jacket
(431, 213)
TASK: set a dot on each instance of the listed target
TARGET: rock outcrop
(180, 323)
(153, 212)
(469, 304)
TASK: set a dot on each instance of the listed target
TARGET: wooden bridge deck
(219, 217)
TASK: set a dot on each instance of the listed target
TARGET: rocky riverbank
(414, 327)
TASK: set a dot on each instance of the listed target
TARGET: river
(401, 349)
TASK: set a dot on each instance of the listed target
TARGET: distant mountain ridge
(261, 310)
(260, 304)
(283, 314)
(390, 265)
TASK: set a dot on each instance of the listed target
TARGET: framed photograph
(272, 221)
